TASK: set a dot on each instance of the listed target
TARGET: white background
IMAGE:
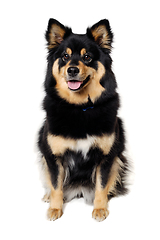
(136, 56)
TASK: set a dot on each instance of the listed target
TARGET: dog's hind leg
(44, 177)
(46, 197)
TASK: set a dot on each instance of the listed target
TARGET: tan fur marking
(56, 199)
(94, 89)
(59, 144)
(56, 195)
(83, 51)
(100, 34)
(69, 51)
(101, 199)
(114, 175)
(105, 142)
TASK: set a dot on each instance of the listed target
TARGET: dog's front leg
(106, 177)
(55, 182)
(100, 211)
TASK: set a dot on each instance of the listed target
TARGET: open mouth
(75, 85)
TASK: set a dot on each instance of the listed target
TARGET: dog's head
(80, 65)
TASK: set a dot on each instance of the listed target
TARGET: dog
(82, 139)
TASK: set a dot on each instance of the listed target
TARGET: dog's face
(79, 62)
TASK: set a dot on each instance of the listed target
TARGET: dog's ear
(56, 33)
(101, 33)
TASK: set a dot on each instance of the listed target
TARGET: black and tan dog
(82, 139)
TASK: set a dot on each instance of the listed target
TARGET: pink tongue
(74, 84)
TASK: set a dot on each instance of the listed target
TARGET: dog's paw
(100, 214)
(53, 214)
(46, 198)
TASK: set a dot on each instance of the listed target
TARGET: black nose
(73, 71)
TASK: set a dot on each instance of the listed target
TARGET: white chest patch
(84, 145)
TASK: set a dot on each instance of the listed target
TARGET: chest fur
(59, 145)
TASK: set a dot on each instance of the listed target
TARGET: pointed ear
(101, 33)
(56, 32)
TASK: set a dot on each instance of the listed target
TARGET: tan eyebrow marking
(83, 51)
(69, 51)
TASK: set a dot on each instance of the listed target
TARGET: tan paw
(100, 214)
(46, 198)
(54, 214)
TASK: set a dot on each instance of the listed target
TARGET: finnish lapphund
(82, 139)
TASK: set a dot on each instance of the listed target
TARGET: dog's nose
(73, 71)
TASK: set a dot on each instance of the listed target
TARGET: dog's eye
(87, 58)
(65, 57)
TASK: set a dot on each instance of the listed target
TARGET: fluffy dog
(82, 139)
